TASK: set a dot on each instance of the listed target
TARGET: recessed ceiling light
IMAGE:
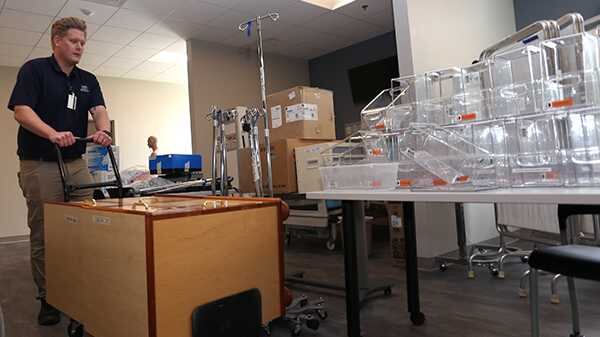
(329, 4)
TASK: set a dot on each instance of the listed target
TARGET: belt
(48, 159)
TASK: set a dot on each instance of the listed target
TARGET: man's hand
(101, 138)
(62, 139)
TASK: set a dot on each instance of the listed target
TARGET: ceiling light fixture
(87, 12)
(329, 4)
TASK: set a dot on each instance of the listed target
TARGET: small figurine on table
(152, 144)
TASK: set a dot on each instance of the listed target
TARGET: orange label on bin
(439, 182)
(380, 125)
(462, 179)
(405, 182)
(376, 183)
(467, 117)
(562, 103)
(551, 175)
(377, 151)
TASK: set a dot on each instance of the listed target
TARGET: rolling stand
(365, 290)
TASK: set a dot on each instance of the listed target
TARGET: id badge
(72, 101)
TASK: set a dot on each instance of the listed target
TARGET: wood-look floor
(454, 306)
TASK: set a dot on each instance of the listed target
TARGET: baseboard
(14, 239)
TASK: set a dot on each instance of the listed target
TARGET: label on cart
(395, 221)
(533, 170)
(101, 220)
(276, 120)
(301, 112)
(312, 164)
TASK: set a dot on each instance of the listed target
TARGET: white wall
(441, 34)
(453, 33)
(139, 108)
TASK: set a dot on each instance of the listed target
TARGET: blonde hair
(60, 27)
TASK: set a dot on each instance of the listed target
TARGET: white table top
(550, 195)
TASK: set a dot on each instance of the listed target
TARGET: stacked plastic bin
(528, 116)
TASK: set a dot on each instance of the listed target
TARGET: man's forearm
(101, 120)
(32, 122)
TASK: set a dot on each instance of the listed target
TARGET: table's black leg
(412, 274)
(351, 268)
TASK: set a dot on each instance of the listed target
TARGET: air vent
(111, 3)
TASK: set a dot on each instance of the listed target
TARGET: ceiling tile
(136, 53)
(180, 48)
(153, 41)
(45, 7)
(197, 12)
(115, 35)
(384, 19)
(39, 52)
(291, 11)
(230, 20)
(101, 12)
(129, 19)
(224, 3)
(355, 9)
(93, 59)
(44, 42)
(140, 75)
(172, 76)
(25, 21)
(20, 37)
(15, 50)
(174, 28)
(92, 28)
(260, 7)
(152, 6)
(87, 67)
(213, 34)
(121, 62)
(153, 67)
(11, 61)
(342, 25)
(109, 71)
(101, 48)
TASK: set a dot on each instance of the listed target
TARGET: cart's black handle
(68, 189)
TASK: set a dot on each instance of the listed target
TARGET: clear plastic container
(583, 147)
(375, 115)
(517, 78)
(365, 176)
(443, 100)
(452, 161)
(535, 150)
(478, 92)
(491, 136)
(570, 71)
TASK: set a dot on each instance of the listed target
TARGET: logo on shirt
(84, 88)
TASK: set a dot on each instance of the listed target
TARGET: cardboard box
(301, 112)
(397, 243)
(307, 166)
(282, 163)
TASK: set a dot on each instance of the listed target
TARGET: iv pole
(247, 26)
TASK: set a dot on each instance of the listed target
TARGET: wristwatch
(107, 133)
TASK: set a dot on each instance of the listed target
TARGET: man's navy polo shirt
(45, 88)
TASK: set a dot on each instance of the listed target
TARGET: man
(153, 145)
(51, 100)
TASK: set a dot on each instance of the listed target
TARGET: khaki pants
(40, 182)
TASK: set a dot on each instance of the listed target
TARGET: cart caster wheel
(322, 314)
(495, 272)
(267, 329)
(501, 274)
(387, 291)
(313, 324)
(417, 319)
(75, 329)
(330, 245)
(555, 299)
(295, 330)
(443, 267)
(525, 259)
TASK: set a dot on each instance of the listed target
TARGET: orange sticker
(467, 117)
(406, 182)
(380, 125)
(562, 103)
(376, 183)
(462, 179)
(377, 151)
(551, 175)
(439, 182)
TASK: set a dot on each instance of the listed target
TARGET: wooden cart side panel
(96, 269)
(203, 258)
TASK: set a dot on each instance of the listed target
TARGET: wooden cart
(139, 267)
